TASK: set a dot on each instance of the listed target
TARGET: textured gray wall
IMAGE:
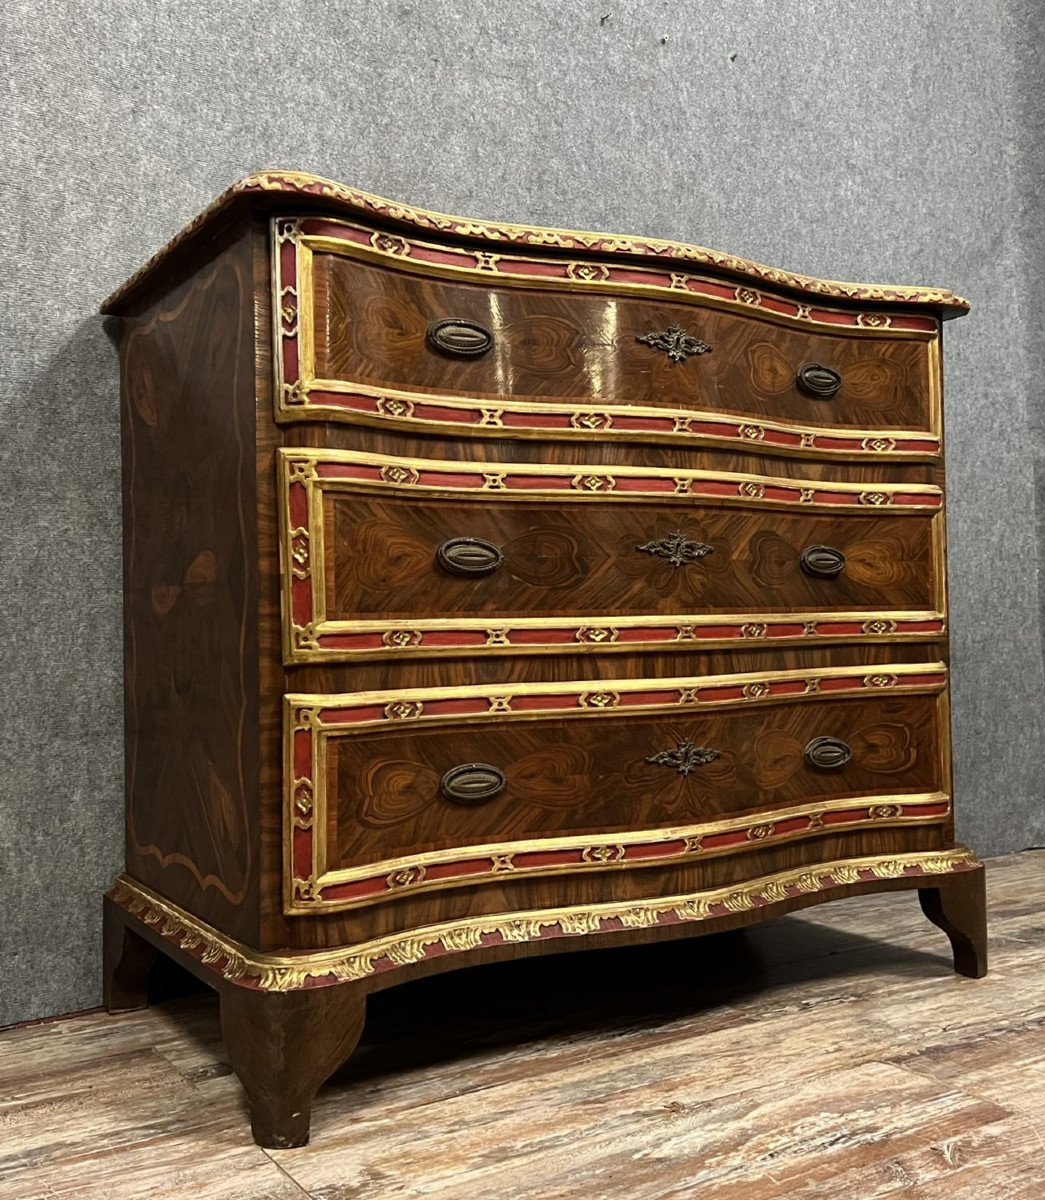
(893, 141)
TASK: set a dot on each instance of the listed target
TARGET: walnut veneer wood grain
(231, 826)
(371, 325)
(191, 570)
(596, 776)
(562, 559)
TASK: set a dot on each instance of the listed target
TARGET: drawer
(390, 557)
(391, 331)
(397, 792)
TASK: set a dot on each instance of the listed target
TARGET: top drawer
(385, 330)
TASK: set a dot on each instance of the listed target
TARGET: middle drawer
(386, 557)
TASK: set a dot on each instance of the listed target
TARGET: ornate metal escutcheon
(819, 381)
(459, 337)
(676, 343)
(828, 753)
(822, 562)
(469, 556)
(472, 783)
(676, 548)
(685, 758)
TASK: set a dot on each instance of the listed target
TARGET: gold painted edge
(311, 455)
(579, 686)
(288, 414)
(237, 963)
(296, 651)
(417, 864)
(575, 283)
(368, 205)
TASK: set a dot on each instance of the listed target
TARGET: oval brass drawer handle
(469, 556)
(828, 753)
(819, 381)
(459, 337)
(472, 783)
(822, 562)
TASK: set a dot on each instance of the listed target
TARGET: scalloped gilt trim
(359, 203)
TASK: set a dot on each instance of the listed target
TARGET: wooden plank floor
(831, 1054)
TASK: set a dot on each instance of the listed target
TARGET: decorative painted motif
(300, 393)
(234, 962)
(310, 721)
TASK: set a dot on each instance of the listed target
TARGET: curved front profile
(387, 557)
(389, 794)
(404, 333)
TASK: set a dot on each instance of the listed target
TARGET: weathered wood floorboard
(829, 1054)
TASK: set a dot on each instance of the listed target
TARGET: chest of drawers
(494, 591)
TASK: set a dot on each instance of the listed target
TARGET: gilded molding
(376, 882)
(236, 963)
(364, 205)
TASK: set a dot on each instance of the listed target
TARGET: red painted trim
(770, 831)
(464, 411)
(571, 701)
(469, 477)
(567, 635)
(494, 262)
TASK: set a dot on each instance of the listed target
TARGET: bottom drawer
(396, 793)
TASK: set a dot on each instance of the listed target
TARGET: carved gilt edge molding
(353, 469)
(365, 205)
(269, 972)
(336, 236)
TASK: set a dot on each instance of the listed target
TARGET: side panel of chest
(191, 572)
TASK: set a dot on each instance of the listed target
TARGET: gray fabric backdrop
(900, 141)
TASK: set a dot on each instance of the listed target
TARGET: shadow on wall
(62, 675)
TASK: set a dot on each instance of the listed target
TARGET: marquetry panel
(587, 350)
(363, 575)
(597, 777)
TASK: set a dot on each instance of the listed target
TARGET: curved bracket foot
(283, 1046)
(958, 905)
(127, 960)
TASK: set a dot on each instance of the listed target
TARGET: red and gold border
(299, 393)
(318, 640)
(310, 721)
(349, 888)
(309, 636)
(359, 204)
(236, 963)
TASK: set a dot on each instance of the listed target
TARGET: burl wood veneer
(495, 591)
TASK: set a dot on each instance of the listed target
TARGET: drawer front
(389, 331)
(539, 561)
(401, 792)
